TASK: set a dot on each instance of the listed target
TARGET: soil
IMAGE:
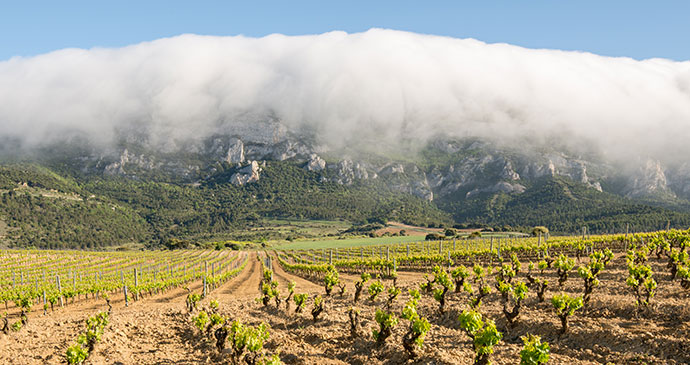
(158, 330)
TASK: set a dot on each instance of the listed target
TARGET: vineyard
(583, 300)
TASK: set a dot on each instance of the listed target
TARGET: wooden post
(408, 250)
(126, 299)
(45, 311)
(204, 286)
(136, 284)
(57, 278)
(330, 257)
(388, 254)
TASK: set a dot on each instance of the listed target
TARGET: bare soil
(157, 330)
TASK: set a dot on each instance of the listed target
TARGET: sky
(605, 76)
(632, 28)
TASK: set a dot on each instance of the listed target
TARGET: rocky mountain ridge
(445, 169)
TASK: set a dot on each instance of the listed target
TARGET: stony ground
(157, 330)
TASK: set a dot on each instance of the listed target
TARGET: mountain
(78, 194)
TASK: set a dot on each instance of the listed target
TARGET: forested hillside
(564, 206)
(44, 209)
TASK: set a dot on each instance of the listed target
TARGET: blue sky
(638, 29)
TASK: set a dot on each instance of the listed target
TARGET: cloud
(380, 84)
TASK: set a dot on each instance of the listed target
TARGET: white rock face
(502, 186)
(508, 172)
(679, 180)
(348, 171)
(247, 174)
(235, 154)
(315, 163)
(394, 169)
(127, 158)
(649, 180)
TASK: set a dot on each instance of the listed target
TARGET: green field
(348, 242)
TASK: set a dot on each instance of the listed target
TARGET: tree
(540, 231)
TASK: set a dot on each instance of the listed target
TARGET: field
(157, 325)
(347, 242)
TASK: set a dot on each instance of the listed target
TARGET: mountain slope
(565, 206)
(56, 211)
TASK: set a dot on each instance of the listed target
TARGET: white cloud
(382, 82)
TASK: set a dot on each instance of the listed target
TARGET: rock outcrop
(315, 163)
(235, 154)
(648, 181)
(247, 174)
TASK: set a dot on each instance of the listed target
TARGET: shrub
(641, 279)
(392, 294)
(484, 335)
(459, 274)
(79, 352)
(515, 263)
(590, 273)
(565, 307)
(442, 278)
(300, 301)
(76, 354)
(331, 279)
(513, 295)
(563, 264)
(353, 313)
(247, 341)
(414, 338)
(386, 323)
(360, 284)
(375, 289)
(534, 352)
(201, 320)
(291, 291)
(192, 301)
(482, 288)
(269, 290)
(318, 307)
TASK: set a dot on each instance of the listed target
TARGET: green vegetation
(79, 352)
(565, 307)
(87, 211)
(386, 321)
(534, 352)
(484, 335)
(563, 206)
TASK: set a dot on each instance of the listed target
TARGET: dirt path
(301, 285)
(246, 284)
